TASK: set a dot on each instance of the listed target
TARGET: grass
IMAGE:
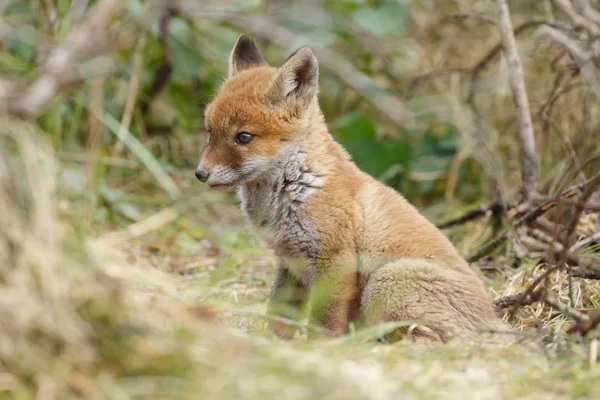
(87, 319)
(111, 289)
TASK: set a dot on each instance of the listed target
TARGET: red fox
(357, 247)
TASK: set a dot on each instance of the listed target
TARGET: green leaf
(358, 135)
(12, 62)
(22, 11)
(387, 18)
(186, 60)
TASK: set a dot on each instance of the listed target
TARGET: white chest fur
(274, 204)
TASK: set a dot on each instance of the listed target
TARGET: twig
(551, 300)
(495, 50)
(529, 171)
(509, 301)
(531, 216)
(413, 82)
(132, 94)
(570, 235)
(471, 15)
(594, 238)
(475, 213)
(60, 68)
(567, 7)
(586, 273)
(530, 290)
(163, 72)
(584, 327)
(569, 44)
(476, 71)
(587, 11)
(588, 187)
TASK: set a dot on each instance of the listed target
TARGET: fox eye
(244, 138)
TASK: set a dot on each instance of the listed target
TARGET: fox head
(258, 113)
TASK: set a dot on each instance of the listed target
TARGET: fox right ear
(298, 78)
(245, 55)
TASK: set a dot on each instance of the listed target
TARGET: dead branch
(505, 302)
(552, 301)
(529, 171)
(588, 190)
(475, 213)
(586, 272)
(583, 243)
(476, 71)
(533, 215)
(587, 11)
(584, 327)
(471, 15)
(587, 187)
(164, 70)
(495, 50)
(415, 81)
(60, 68)
(580, 22)
(565, 41)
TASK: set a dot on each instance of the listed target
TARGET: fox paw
(283, 330)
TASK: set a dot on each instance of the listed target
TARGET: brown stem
(530, 173)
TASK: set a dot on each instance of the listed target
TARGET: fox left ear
(297, 77)
(245, 55)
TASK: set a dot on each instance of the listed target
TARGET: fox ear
(297, 77)
(245, 55)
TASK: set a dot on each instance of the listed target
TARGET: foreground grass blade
(138, 149)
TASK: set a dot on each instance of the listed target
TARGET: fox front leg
(335, 302)
(288, 298)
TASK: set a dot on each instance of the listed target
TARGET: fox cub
(358, 249)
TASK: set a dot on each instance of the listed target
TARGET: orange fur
(364, 252)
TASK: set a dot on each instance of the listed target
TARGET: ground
(208, 257)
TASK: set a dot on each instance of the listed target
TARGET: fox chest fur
(274, 205)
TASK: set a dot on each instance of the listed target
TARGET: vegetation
(123, 277)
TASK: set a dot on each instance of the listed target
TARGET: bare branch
(567, 7)
(586, 273)
(534, 214)
(475, 213)
(594, 238)
(585, 326)
(471, 15)
(586, 10)
(569, 44)
(577, 315)
(60, 69)
(516, 77)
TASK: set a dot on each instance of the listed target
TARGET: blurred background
(418, 92)
(101, 115)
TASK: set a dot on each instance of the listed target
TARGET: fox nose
(202, 175)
